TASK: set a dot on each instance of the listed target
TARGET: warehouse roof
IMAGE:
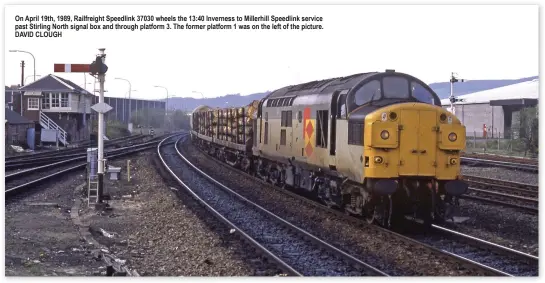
(524, 90)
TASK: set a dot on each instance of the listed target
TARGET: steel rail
(300, 231)
(283, 265)
(18, 189)
(487, 269)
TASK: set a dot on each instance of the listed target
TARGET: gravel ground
(502, 174)
(31, 176)
(304, 256)
(159, 235)
(41, 239)
(502, 225)
(368, 244)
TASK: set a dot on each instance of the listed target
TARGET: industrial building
(495, 112)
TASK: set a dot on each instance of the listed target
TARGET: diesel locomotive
(377, 145)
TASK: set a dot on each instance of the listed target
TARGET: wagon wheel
(440, 208)
(283, 179)
(370, 214)
(427, 205)
(380, 212)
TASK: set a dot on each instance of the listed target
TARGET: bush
(114, 129)
(529, 130)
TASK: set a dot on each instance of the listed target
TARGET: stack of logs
(230, 124)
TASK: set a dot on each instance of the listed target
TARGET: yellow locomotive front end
(413, 140)
(412, 151)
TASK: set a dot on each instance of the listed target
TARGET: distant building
(55, 103)
(12, 94)
(496, 108)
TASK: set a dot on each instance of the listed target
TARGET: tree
(154, 117)
(529, 129)
(180, 119)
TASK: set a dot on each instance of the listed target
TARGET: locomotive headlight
(453, 161)
(452, 137)
(384, 135)
(378, 159)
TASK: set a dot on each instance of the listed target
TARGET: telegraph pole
(22, 73)
(22, 84)
(453, 80)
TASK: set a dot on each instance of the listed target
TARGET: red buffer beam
(72, 68)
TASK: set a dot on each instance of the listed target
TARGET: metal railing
(48, 123)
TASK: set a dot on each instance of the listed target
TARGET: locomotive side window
(285, 119)
(366, 93)
(289, 119)
(421, 94)
(321, 128)
(282, 137)
(341, 104)
(395, 87)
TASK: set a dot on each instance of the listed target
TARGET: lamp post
(33, 58)
(31, 76)
(130, 89)
(125, 97)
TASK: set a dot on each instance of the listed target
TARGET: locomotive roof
(321, 86)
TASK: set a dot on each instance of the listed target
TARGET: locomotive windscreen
(391, 89)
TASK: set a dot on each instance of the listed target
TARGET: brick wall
(16, 134)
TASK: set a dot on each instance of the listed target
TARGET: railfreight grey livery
(377, 145)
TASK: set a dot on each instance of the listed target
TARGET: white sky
(478, 42)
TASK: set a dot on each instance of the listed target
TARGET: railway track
(22, 181)
(70, 151)
(481, 255)
(509, 261)
(473, 161)
(38, 161)
(515, 188)
(505, 193)
(296, 251)
(513, 159)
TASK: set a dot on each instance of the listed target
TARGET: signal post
(98, 69)
(452, 98)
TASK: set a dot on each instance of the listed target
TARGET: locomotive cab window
(368, 92)
(395, 87)
(422, 94)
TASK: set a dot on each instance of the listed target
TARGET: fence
(499, 144)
